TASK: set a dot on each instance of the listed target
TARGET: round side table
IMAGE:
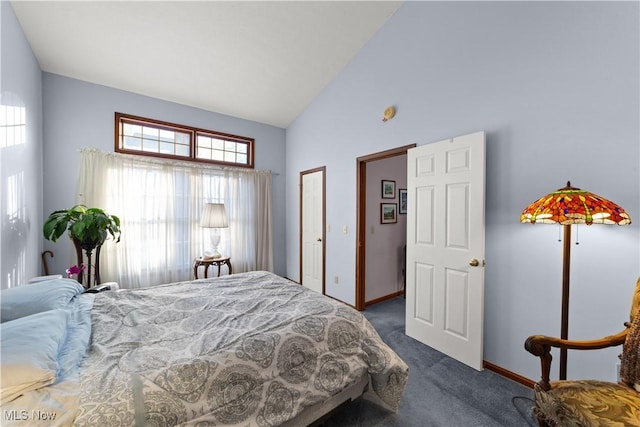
(207, 262)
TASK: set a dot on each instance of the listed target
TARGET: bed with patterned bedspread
(250, 349)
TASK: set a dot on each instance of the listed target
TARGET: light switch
(328, 228)
(344, 229)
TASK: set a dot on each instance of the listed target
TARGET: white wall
(79, 114)
(555, 86)
(384, 246)
(20, 155)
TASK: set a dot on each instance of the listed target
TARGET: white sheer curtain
(159, 204)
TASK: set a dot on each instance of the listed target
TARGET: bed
(250, 349)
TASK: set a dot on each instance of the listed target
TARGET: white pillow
(29, 352)
(42, 296)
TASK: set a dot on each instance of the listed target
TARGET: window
(137, 135)
(159, 203)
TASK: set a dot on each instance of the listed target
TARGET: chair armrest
(540, 345)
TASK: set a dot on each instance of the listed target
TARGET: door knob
(474, 263)
(319, 239)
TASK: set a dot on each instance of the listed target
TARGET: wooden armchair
(590, 402)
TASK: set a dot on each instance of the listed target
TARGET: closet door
(312, 236)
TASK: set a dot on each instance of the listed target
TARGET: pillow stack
(33, 331)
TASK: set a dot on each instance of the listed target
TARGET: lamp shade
(214, 216)
(570, 205)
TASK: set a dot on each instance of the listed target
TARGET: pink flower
(74, 269)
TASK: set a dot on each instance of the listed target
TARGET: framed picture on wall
(388, 189)
(388, 213)
(402, 202)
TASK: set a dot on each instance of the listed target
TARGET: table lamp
(214, 216)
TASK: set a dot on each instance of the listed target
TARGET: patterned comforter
(251, 349)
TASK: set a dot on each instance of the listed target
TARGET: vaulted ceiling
(258, 60)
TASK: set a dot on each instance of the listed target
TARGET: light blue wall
(555, 86)
(79, 114)
(20, 158)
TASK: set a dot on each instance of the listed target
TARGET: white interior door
(445, 246)
(312, 246)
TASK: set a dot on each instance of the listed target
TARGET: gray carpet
(441, 391)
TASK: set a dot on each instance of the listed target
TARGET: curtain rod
(183, 163)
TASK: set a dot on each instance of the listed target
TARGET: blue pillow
(42, 296)
(29, 350)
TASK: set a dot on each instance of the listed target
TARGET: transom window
(138, 135)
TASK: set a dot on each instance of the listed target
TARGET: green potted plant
(88, 228)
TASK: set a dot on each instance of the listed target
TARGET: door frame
(361, 215)
(322, 169)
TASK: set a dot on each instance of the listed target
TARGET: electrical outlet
(336, 280)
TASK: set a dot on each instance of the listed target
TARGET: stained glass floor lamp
(567, 206)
